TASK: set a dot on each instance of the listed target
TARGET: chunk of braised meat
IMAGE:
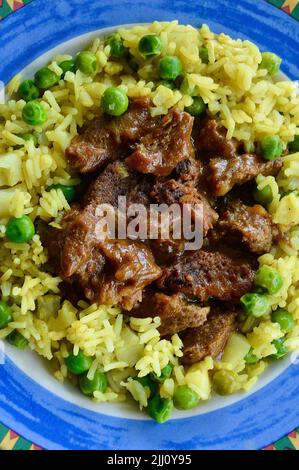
(79, 233)
(165, 250)
(90, 273)
(79, 238)
(109, 272)
(93, 148)
(204, 274)
(119, 180)
(223, 174)
(190, 203)
(107, 138)
(210, 139)
(54, 239)
(116, 180)
(129, 268)
(87, 276)
(71, 249)
(173, 192)
(188, 171)
(208, 339)
(160, 151)
(175, 311)
(251, 225)
(115, 273)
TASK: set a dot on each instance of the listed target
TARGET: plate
(53, 416)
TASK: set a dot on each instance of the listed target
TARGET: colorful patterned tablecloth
(9, 6)
(289, 6)
(9, 440)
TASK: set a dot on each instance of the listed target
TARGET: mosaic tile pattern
(9, 440)
(9, 6)
(289, 442)
(291, 7)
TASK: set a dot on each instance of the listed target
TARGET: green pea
(46, 78)
(16, 339)
(68, 191)
(185, 88)
(184, 398)
(28, 91)
(79, 364)
(167, 84)
(271, 62)
(225, 382)
(20, 229)
(160, 408)
(271, 147)
(269, 279)
(150, 46)
(284, 318)
(203, 54)
(5, 314)
(294, 145)
(86, 62)
(197, 108)
(254, 304)
(34, 114)
(165, 373)
(148, 382)
(251, 358)
(115, 101)
(281, 349)
(29, 138)
(67, 66)
(263, 196)
(169, 68)
(117, 48)
(98, 384)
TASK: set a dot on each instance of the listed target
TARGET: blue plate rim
(50, 421)
(56, 424)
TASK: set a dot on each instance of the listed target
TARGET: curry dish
(158, 115)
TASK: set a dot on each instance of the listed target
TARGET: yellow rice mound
(248, 103)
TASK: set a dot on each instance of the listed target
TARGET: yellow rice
(249, 104)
